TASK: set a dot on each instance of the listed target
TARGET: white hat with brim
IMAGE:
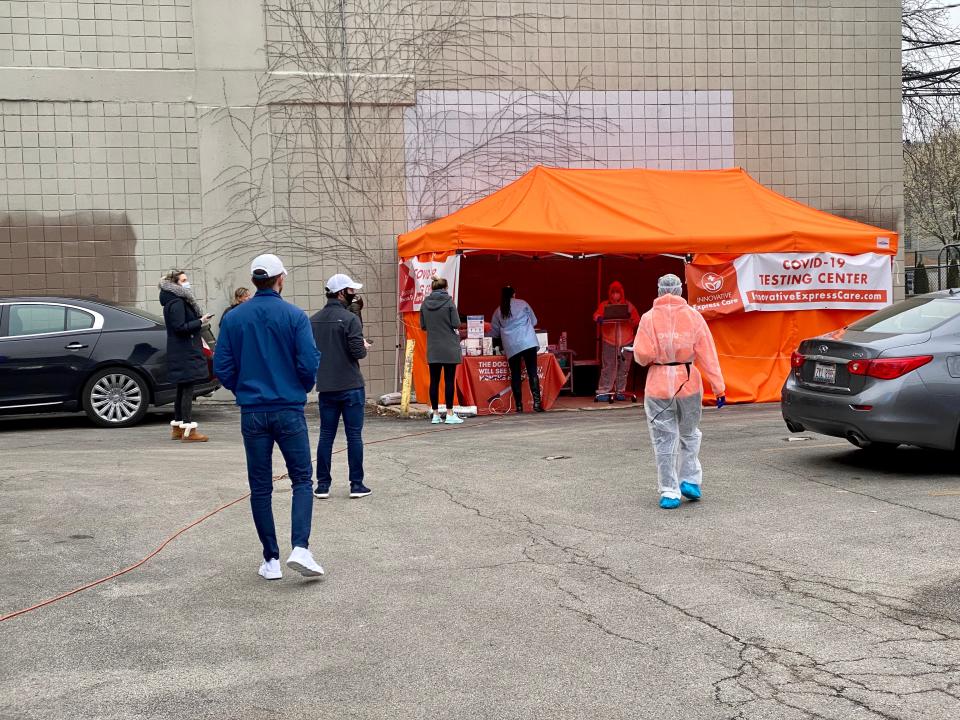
(267, 266)
(341, 282)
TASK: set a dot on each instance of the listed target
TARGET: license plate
(825, 373)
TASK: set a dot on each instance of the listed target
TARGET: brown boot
(192, 435)
(176, 432)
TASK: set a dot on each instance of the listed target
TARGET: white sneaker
(453, 419)
(270, 569)
(302, 561)
(436, 419)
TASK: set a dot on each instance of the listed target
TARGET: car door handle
(74, 346)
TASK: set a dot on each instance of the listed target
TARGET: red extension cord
(181, 531)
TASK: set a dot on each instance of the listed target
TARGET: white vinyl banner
(416, 276)
(814, 281)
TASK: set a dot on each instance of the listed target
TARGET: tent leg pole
(396, 354)
(599, 347)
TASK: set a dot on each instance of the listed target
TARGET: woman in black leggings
(439, 317)
(514, 322)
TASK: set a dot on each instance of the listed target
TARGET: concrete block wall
(106, 193)
(138, 135)
(145, 34)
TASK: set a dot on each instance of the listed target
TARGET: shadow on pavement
(902, 461)
(55, 421)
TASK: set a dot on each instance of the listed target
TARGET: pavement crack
(595, 621)
(763, 674)
(861, 493)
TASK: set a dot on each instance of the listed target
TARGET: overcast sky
(955, 14)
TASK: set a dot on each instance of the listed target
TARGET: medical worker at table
(672, 337)
(514, 323)
(615, 333)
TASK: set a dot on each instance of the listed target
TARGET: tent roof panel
(642, 211)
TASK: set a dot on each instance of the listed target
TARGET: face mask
(185, 285)
(349, 299)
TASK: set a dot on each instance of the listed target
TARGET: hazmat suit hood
(437, 299)
(616, 286)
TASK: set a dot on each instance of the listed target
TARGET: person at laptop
(618, 320)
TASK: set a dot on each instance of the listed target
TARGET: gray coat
(439, 317)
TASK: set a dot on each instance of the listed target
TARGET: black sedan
(60, 354)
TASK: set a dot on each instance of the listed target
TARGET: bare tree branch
(323, 165)
(931, 55)
(932, 178)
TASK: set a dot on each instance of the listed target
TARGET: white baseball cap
(267, 266)
(340, 282)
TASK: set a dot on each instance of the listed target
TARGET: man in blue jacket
(266, 356)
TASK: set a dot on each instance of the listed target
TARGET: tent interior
(564, 293)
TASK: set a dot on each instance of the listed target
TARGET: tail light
(207, 352)
(797, 360)
(858, 367)
(887, 368)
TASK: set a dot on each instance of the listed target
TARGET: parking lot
(517, 567)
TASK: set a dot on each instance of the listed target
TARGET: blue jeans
(349, 404)
(288, 429)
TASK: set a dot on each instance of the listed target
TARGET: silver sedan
(890, 378)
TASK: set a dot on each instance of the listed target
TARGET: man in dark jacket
(340, 386)
(266, 356)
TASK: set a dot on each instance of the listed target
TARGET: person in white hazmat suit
(672, 337)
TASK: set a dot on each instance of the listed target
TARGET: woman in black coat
(186, 364)
(439, 317)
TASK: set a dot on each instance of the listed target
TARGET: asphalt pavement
(514, 567)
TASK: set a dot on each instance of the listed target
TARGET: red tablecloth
(481, 377)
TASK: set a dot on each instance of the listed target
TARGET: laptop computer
(616, 312)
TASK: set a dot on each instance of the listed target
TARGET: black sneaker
(359, 491)
(321, 494)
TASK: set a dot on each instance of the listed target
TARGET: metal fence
(937, 266)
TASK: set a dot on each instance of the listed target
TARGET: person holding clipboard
(618, 320)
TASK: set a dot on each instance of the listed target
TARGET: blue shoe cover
(669, 503)
(690, 491)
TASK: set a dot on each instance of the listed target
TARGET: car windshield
(915, 315)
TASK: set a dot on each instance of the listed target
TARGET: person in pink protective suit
(615, 334)
(672, 337)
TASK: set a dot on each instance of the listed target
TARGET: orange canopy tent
(714, 215)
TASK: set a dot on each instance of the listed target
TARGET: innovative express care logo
(713, 289)
(711, 282)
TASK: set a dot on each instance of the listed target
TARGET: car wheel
(116, 398)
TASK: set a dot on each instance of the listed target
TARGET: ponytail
(506, 295)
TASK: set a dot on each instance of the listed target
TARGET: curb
(417, 412)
